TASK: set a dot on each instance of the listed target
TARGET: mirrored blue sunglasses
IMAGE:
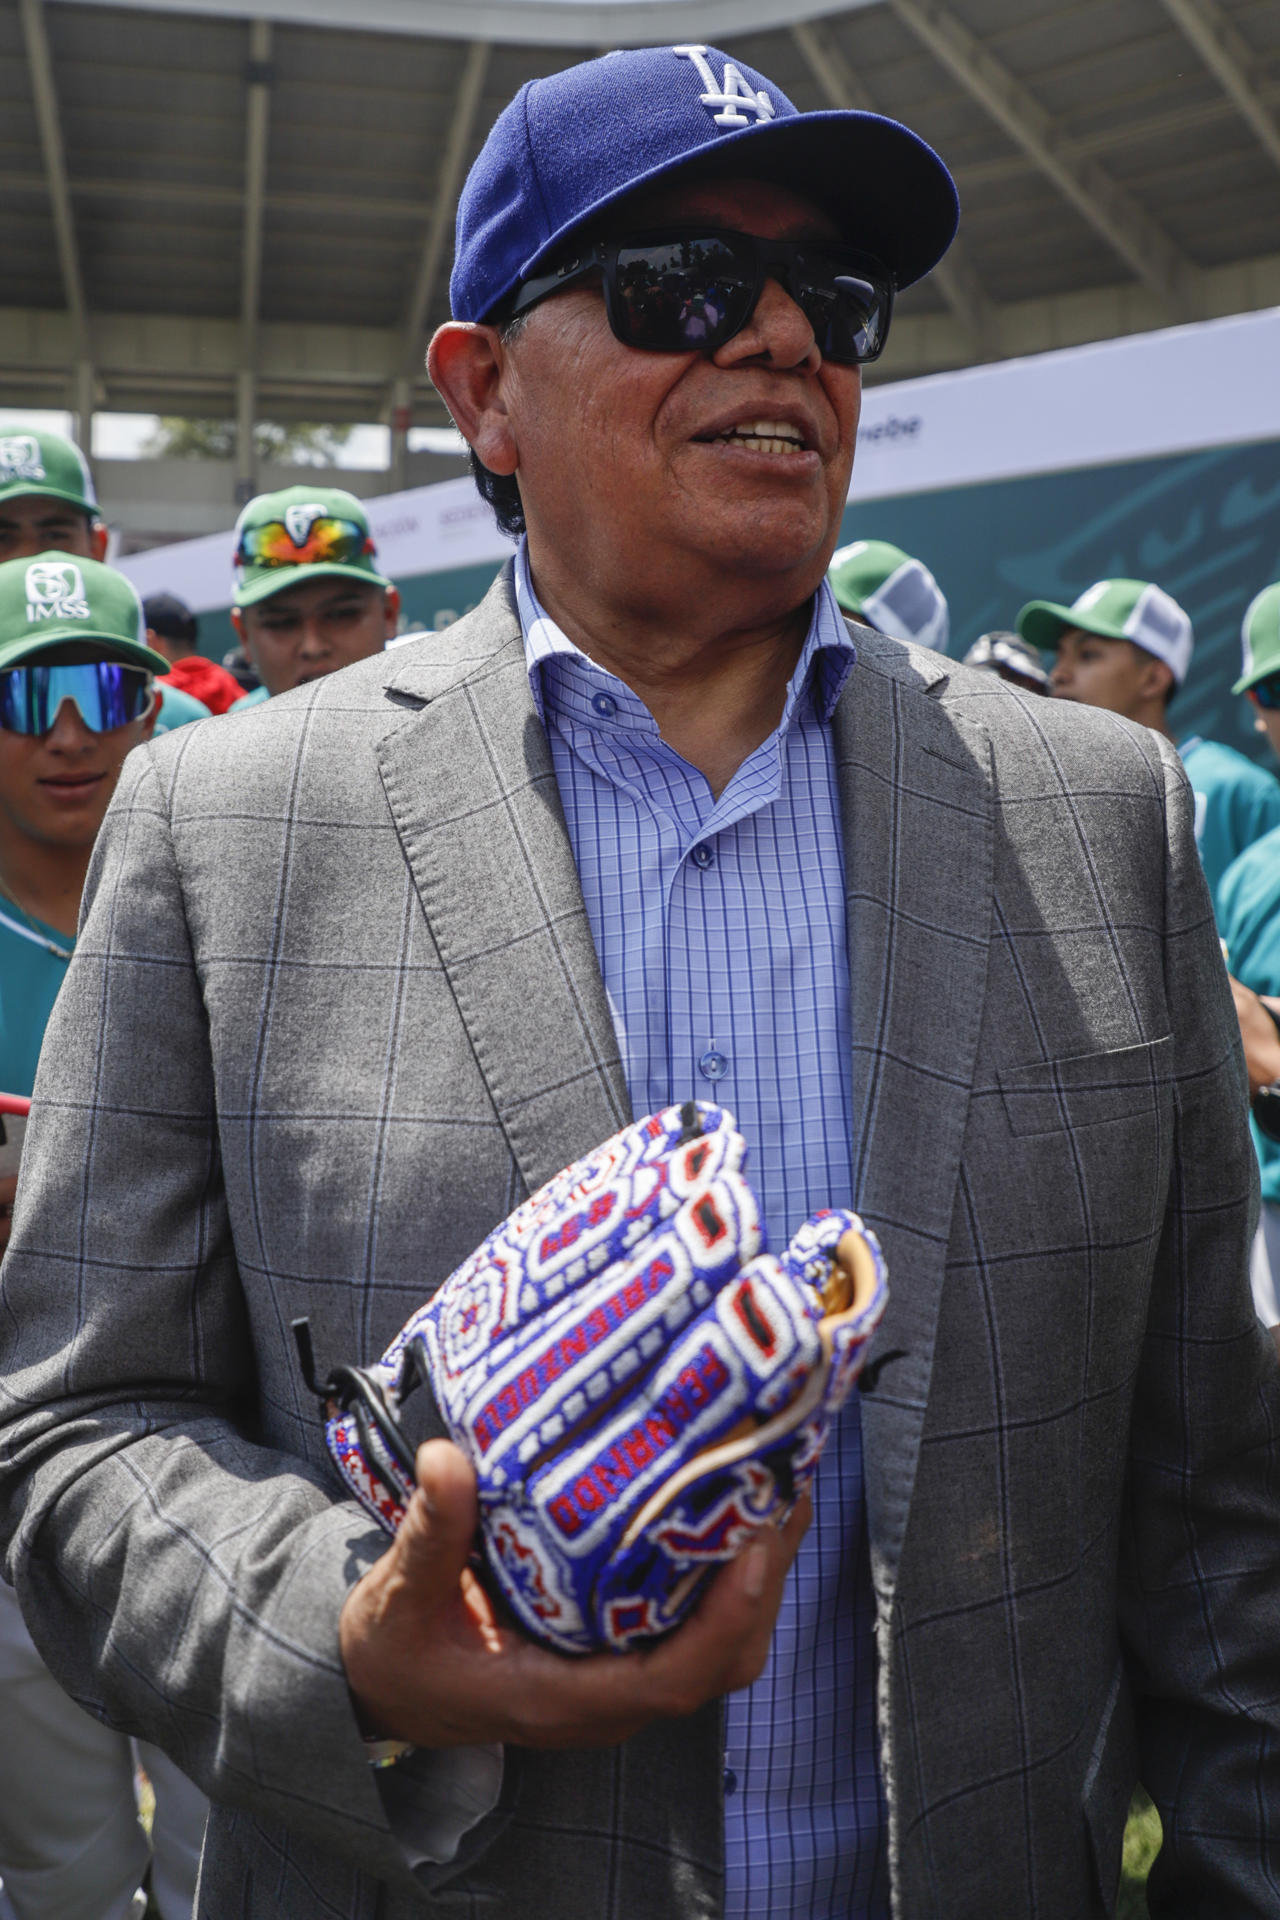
(104, 693)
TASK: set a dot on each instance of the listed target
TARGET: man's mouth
(761, 436)
(72, 786)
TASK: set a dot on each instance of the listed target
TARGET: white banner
(1209, 385)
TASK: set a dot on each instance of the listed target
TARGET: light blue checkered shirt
(720, 928)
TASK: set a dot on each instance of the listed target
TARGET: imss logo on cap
(47, 464)
(20, 458)
(55, 591)
(50, 601)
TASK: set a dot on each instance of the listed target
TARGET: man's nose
(69, 734)
(778, 329)
(312, 642)
(1059, 676)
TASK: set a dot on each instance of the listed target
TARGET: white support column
(1126, 227)
(955, 276)
(85, 407)
(258, 76)
(401, 420)
(45, 98)
(1230, 59)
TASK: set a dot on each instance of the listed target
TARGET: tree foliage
(298, 443)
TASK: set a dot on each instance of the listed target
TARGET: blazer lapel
(917, 806)
(472, 791)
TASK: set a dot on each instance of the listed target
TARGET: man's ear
(391, 611)
(99, 538)
(1157, 679)
(466, 364)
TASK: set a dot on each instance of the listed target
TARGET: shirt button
(605, 705)
(703, 856)
(713, 1065)
(730, 1781)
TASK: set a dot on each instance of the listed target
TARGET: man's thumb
(439, 1527)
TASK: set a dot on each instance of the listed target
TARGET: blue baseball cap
(572, 145)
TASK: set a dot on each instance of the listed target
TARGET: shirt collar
(562, 679)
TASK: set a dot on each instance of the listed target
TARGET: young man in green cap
(1249, 922)
(309, 598)
(1126, 645)
(47, 504)
(77, 692)
(884, 588)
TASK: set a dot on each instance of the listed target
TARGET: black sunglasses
(688, 292)
(1267, 692)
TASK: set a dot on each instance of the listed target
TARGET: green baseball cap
(35, 461)
(46, 603)
(1260, 638)
(1133, 610)
(302, 533)
(880, 584)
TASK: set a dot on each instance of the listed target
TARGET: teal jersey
(1236, 803)
(254, 699)
(178, 709)
(31, 972)
(1249, 922)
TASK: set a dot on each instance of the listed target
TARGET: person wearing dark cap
(174, 631)
(1012, 657)
(654, 823)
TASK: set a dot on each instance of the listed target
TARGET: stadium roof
(219, 212)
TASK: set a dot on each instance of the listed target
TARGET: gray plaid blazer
(335, 1009)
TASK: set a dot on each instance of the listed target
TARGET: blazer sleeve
(181, 1580)
(1200, 1562)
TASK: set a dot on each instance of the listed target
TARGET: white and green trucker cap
(33, 460)
(1260, 639)
(880, 584)
(1116, 610)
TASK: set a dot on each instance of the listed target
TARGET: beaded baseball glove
(639, 1386)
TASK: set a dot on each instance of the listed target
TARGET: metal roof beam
(1123, 224)
(577, 24)
(425, 280)
(1229, 58)
(45, 97)
(258, 78)
(954, 276)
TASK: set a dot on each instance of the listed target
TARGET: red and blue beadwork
(639, 1386)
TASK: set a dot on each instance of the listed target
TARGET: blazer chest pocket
(1088, 1089)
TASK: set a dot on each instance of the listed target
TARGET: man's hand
(1260, 1037)
(8, 1188)
(430, 1660)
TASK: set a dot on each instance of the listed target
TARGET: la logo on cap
(733, 96)
(20, 458)
(300, 520)
(55, 591)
